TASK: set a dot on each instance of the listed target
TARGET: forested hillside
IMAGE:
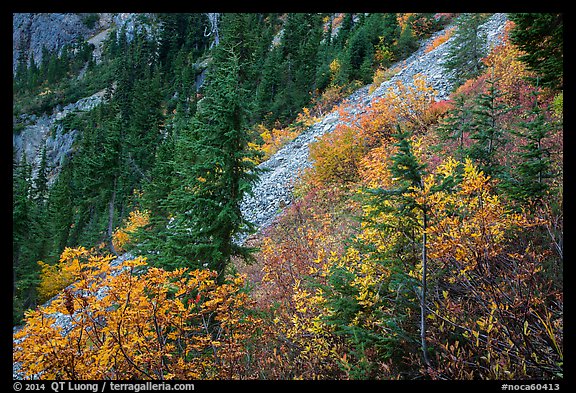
(290, 196)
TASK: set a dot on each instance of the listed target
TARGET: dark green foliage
(455, 126)
(60, 213)
(540, 36)
(357, 55)
(528, 183)
(212, 174)
(30, 234)
(90, 20)
(407, 42)
(299, 47)
(486, 130)
(25, 273)
(467, 49)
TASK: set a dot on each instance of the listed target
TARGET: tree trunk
(423, 312)
(111, 218)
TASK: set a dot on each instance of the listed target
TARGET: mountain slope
(330, 299)
(274, 189)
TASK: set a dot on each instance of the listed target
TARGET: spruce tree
(214, 173)
(405, 224)
(25, 269)
(540, 37)
(527, 184)
(456, 126)
(486, 130)
(408, 173)
(467, 48)
(143, 132)
(60, 212)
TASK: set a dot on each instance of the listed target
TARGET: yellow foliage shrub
(336, 156)
(156, 324)
(53, 279)
(122, 236)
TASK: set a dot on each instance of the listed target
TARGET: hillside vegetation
(423, 241)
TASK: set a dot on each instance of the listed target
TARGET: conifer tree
(407, 42)
(456, 126)
(528, 182)
(299, 46)
(540, 37)
(487, 133)
(213, 174)
(60, 212)
(396, 214)
(143, 133)
(466, 50)
(24, 266)
(33, 73)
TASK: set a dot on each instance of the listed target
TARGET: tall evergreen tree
(409, 173)
(540, 37)
(299, 46)
(25, 269)
(467, 49)
(213, 172)
(456, 126)
(143, 132)
(394, 214)
(486, 130)
(60, 212)
(528, 183)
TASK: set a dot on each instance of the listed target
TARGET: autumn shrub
(53, 278)
(308, 232)
(442, 38)
(336, 155)
(292, 260)
(122, 236)
(326, 101)
(494, 315)
(274, 139)
(422, 25)
(132, 322)
(511, 75)
(400, 104)
(558, 104)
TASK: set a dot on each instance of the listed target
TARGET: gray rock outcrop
(46, 131)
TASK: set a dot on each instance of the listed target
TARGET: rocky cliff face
(33, 31)
(47, 131)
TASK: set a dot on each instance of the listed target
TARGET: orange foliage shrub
(494, 314)
(122, 236)
(129, 322)
(401, 104)
(336, 156)
(442, 38)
